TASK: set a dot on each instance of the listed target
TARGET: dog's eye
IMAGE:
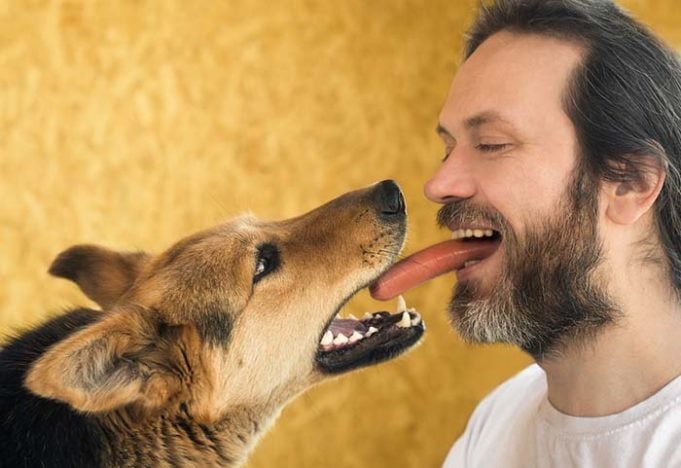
(267, 261)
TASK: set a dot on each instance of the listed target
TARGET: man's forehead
(510, 74)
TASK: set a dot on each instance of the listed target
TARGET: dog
(195, 351)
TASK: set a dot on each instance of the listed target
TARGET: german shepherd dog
(195, 351)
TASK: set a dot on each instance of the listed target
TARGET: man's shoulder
(514, 402)
(502, 421)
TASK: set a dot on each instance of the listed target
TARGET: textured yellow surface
(131, 124)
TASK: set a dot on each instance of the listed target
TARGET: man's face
(511, 165)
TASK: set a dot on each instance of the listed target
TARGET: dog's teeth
(416, 320)
(401, 304)
(367, 315)
(406, 321)
(356, 336)
(371, 331)
(340, 339)
(327, 339)
(351, 316)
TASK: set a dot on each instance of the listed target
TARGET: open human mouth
(349, 343)
(468, 247)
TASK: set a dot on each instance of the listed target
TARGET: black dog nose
(389, 198)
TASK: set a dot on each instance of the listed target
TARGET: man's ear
(107, 365)
(102, 274)
(629, 200)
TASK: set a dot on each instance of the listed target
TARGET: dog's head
(235, 315)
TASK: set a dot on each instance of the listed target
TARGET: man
(562, 134)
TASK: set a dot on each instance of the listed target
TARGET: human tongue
(428, 263)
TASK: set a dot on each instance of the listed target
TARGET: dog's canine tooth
(340, 339)
(401, 304)
(406, 321)
(351, 316)
(327, 339)
(371, 331)
(367, 316)
(356, 336)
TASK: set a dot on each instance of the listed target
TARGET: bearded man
(561, 185)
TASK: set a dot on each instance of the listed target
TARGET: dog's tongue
(427, 264)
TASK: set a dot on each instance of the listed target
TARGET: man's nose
(453, 180)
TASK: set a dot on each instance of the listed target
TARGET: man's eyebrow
(483, 118)
(473, 123)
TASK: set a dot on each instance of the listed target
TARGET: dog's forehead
(241, 229)
(238, 233)
(249, 228)
(245, 222)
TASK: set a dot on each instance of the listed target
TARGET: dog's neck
(180, 440)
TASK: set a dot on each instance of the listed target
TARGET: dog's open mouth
(349, 343)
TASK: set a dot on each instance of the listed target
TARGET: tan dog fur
(189, 347)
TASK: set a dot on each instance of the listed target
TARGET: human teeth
(465, 233)
(367, 315)
(351, 316)
(405, 322)
(371, 331)
(356, 336)
(416, 320)
(340, 339)
(327, 339)
(401, 304)
(470, 262)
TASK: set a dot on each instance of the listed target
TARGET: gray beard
(549, 294)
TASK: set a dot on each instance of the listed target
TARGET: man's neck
(625, 364)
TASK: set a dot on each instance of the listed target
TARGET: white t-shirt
(516, 426)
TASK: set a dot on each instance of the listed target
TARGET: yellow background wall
(132, 123)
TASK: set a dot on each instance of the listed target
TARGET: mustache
(468, 212)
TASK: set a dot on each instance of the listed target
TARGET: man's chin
(469, 316)
(480, 317)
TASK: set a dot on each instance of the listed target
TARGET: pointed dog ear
(102, 274)
(107, 365)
